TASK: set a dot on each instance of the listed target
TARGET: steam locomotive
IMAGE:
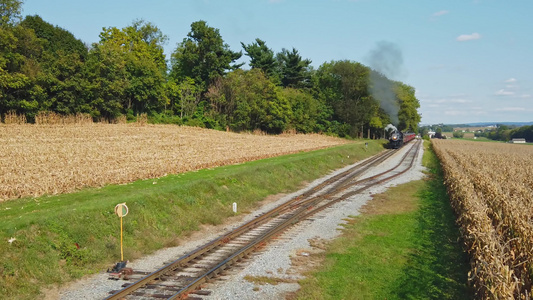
(398, 138)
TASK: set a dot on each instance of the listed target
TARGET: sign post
(121, 210)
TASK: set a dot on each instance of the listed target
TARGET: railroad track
(184, 276)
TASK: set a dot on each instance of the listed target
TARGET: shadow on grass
(438, 267)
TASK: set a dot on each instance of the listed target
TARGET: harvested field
(491, 189)
(54, 159)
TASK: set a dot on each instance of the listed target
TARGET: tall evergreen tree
(261, 57)
(294, 70)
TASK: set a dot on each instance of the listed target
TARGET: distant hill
(481, 124)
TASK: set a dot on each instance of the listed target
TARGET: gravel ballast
(273, 261)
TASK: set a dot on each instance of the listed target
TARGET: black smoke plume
(386, 60)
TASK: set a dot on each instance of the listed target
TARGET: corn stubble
(54, 159)
(491, 189)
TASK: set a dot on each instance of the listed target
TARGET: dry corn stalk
(53, 159)
(491, 189)
(52, 118)
(13, 118)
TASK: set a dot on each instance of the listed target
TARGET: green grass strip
(404, 246)
(49, 230)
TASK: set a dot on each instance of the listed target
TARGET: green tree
(9, 12)
(438, 133)
(61, 68)
(408, 114)
(525, 132)
(377, 123)
(344, 84)
(458, 134)
(189, 97)
(55, 39)
(248, 100)
(423, 131)
(305, 110)
(19, 67)
(261, 57)
(128, 70)
(203, 56)
(105, 70)
(64, 85)
(295, 72)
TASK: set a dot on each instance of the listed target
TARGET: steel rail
(302, 214)
(359, 190)
(185, 259)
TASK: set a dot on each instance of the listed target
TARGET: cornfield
(53, 159)
(491, 190)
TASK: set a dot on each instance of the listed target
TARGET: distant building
(431, 134)
(518, 141)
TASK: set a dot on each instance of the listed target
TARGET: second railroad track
(186, 275)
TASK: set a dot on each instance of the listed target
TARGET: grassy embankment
(48, 230)
(405, 245)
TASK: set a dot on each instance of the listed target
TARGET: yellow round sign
(121, 209)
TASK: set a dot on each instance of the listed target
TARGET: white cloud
(503, 92)
(449, 100)
(469, 111)
(469, 37)
(455, 112)
(441, 13)
(511, 108)
(459, 101)
(510, 80)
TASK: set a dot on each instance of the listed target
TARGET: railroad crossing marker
(121, 210)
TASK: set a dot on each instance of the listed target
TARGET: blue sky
(469, 60)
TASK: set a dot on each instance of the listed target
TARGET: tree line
(45, 68)
(507, 133)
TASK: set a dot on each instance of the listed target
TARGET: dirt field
(53, 159)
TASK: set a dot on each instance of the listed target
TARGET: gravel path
(274, 261)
